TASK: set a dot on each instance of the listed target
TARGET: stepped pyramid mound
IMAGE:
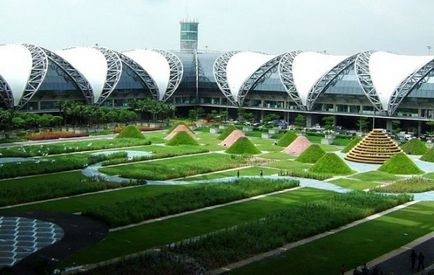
(376, 147)
(298, 146)
(179, 128)
(232, 138)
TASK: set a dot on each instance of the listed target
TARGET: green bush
(311, 155)
(352, 144)
(130, 131)
(414, 147)
(410, 185)
(137, 210)
(243, 146)
(287, 139)
(429, 155)
(330, 163)
(226, 132)
(307, 174)
(181, 138)
(400, 164)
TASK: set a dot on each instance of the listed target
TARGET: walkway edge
(289, 246)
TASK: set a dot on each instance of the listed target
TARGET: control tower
(189, 35)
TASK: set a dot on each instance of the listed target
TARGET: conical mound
(400, 164)
(330, 163)
(179, 128)
(428, 156)
(352, 144)
(287, 139)
(232, 138)
(243, 146)
(226, 132)
(414, 147)
(376, 147)
(181, 138)
(130, 131)
(298, 146)
(311, 154)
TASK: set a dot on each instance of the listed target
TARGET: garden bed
(55, 135)
(410, 185)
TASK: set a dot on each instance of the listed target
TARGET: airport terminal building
(386, 85)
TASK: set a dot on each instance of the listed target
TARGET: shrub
(117, 130)
(400, 164)
(330, 163)
(55, 135)
(130, 131)
(226, 132)
(352, 144)
(181, 138)
(410, 185)
(243, 146)
(287, 139)
(414, 147)
(312, 154)
(137, 210)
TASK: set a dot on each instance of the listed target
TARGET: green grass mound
(287, 139)
(227, 131)
(400, 164)
(414, 147)
(352, 144)
(130, 132)
(181, 138)
(243, 146)
(429, 155)
(330, 163)
(311, 155)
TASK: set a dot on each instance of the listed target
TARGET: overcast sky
(274, 26)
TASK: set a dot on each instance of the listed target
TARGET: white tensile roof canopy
(389, 70)
(155, 64)
(91, 63)
(15, 68)
(309, 67)
(241, 66)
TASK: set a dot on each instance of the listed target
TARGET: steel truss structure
(142, 73)
(73, 73)
(114, 72)
(409, 84)
(219, 71)
(176, 73)
(287, 78)
(257, 77)
(6, 93)
(37, 73)
(329, 79)
(361, 67)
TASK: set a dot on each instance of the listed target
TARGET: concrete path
(398, 261)
(289, 246)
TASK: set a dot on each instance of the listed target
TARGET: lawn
(351, 247)
(85, 202)
(143, 237)
(250, 171)
(409, 185)
(366, 180)
(277, 155)
(177, 167)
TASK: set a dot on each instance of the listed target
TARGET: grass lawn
(155, 137)
(80, 204)
(176, 168)
(209, 141)
(330, 148)
(266, 144)
(251, 171)
(276, 155)
(409, 185)
(290, 165)
(366, 180)
(429, 175)
(139, 238)
(351, 247)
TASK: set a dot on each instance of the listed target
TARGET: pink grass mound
(232, 138)
(179, 128)
(298, 146)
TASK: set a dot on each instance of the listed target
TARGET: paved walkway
(398, 260)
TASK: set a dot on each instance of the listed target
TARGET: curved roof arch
(383, 74)
(6, 93)
(238, 72)
(163, 67)
(23, 68)
(306, 75)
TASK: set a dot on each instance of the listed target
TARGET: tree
(396, 126)
(362, 122)
(300, 121)
(244, 115)
(270, 117)
(329, 122)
